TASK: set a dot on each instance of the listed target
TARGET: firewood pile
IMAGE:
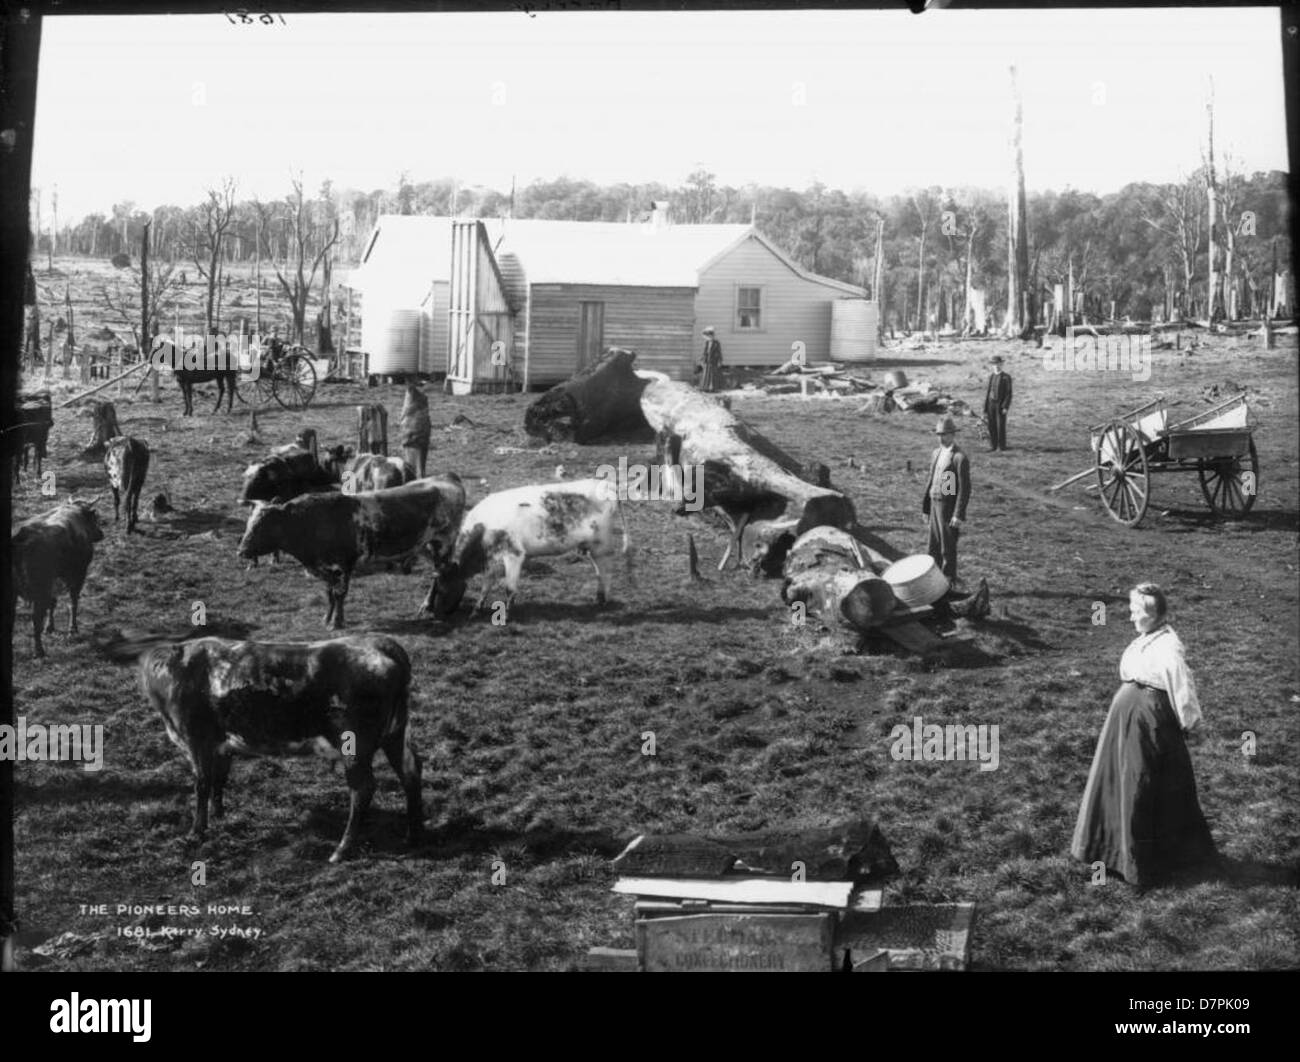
(892, 393)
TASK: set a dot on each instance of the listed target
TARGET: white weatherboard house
(534, 300)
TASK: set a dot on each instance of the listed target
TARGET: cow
(332, 534)
(30, 434)
(126, 459)
(376, 472)
(290, 471)
(537, 521)
(46, 551)
(219, 697)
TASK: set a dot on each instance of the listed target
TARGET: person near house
(1140, 816)
(710, 366)
(997, 403)
(947, 492)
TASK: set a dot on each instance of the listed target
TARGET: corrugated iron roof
(408, 253)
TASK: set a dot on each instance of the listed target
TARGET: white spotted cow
(510, 526)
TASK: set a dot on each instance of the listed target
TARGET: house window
(749, 309)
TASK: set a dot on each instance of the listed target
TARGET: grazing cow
(30, 433)
(49, 550)
(538, 521)
(126, 460)
(219, 697)
(376, 472)
(331, 534)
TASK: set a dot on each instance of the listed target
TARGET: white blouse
(1157, 659)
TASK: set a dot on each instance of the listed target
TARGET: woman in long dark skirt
(1140, 816)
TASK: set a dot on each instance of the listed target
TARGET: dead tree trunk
(416, 428)
(745, 474)
(104, 420)
(601, 399)
(1017, 237)
(877, 281)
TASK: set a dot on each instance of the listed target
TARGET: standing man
(997, 403)
(946, 493)
(710, 362)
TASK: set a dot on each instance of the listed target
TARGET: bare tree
(304, 234)
(1018, 317)
(1180, 222)
(209, 227)
(1214, 292)
(141, 303)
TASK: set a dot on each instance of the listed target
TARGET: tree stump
(104, 420)
(372, 429)
(307, 441)
(416, 428)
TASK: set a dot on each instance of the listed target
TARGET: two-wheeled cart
(1217, 445)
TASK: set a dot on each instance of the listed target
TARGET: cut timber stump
(372, 429)
(853, 851)
(746, 475)
(416, 428)
(104, 417)
(603, 399)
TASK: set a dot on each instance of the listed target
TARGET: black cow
(289, 472)
(49, 550)
(331, 534)
(30, 433)
(219, 697)
(126, 460)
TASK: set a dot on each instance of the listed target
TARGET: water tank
(392, 339)
(426, 342)
(854, 327)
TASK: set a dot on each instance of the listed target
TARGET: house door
(591, 333)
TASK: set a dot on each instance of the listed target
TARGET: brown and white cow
(376, 472)
(332, 534)
(219, 698)
(544, 520)
(126, 459)
(49, 551)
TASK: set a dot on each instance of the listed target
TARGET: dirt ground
(534, 732)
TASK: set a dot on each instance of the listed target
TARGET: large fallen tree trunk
(604, 399)
(746, 475)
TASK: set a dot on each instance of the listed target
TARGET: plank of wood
(741, 943)
(612, 960)
(829, 894)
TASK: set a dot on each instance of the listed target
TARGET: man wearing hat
(946, 493)
(710, 362)
(997, 402)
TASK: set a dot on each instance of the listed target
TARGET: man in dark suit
(997, 403)
(946, 493)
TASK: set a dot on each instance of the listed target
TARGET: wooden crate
(917, 937)
(737, 943)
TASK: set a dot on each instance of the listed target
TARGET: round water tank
(392, 339)
(426, 342)
(854, 326)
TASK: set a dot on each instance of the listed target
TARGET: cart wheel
(1122, 473)
(295, 384)
(264, 385)
(1230, 484)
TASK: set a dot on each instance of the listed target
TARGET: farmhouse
(532, 301)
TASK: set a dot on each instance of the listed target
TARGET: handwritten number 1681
(243, 18)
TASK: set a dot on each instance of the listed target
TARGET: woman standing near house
(710, 362)
(1140, 816)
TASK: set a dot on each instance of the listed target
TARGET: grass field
(533, 732)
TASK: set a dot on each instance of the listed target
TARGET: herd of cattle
(338, 514)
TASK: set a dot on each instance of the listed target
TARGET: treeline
(1139, 252)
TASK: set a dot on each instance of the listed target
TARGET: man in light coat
(946, 493)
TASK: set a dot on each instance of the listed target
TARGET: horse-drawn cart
(287, 375)
(1217, 445)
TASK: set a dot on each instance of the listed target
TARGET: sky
(157, 109)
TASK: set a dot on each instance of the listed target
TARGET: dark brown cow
(30, 433)
(126, 459)
(331, 534)
(219, 697)
(376, 472)
(289, 472)
(48, 551)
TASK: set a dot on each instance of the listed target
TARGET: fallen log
(854, 851)
(827, 572)
(601, 400)
(746, 475)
